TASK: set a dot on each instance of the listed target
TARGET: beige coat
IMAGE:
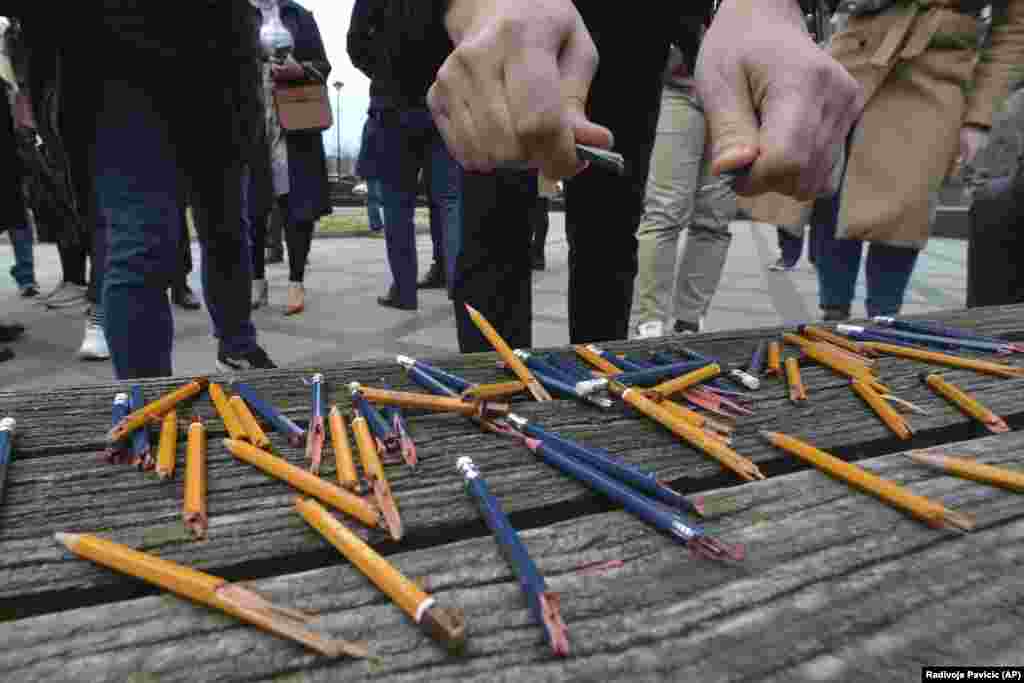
(923, 81)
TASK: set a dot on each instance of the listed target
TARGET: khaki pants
(674, 201)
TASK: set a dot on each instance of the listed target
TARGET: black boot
(434, 279)
(275, 255)
(184, 296)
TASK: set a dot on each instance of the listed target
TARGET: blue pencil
(7, 426)
(652, 512)
(120, 451)
(387, 439)
(281, 424)
(140, 437)
(658, 374)
(453, 381)
(543, 605)
(612, 466)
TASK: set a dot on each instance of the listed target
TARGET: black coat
(309, 192)
(12, 207)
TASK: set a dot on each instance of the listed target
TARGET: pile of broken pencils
(667, 388)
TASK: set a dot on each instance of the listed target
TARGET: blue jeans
(138, 175)
(374, 209)
(411, 141)
(23, 271)
(888, 268)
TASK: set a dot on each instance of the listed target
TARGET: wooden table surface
(836, 585)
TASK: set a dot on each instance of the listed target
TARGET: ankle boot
(296, 299)
(434, 279)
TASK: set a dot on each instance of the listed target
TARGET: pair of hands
(516, 85)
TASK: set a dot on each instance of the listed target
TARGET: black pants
(184, 251)
(602, 210)
(258, 226)
(275, 230)
(540, 221)
(299, 236)
(995, 276)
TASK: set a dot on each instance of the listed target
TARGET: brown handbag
(305, 106)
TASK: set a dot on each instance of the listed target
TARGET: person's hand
(290, 70)
(516, 85)
(973, 139)
(773, 99)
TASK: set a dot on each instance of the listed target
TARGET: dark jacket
(204, 60)
(399, 45)
(309, 192)
(12, 207)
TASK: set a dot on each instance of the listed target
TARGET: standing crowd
(218, 111)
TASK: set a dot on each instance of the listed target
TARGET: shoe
(686, 327)
(275, 256)
(260, 294)
(835, 315)
(649, 330)
(296, 299)
(185, 298)
(6, 354)
(434, 279)
(66, 295)
(782, 266)
(391, 301)
(94, 345)
(9, 333)
(257, 359)
(29, 291)
(538, 263)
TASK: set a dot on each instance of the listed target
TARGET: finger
(488, 103)
(578, 64)
(439, 112)
(732, 124)
(454, 87)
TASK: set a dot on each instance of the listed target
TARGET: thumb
(732, 124)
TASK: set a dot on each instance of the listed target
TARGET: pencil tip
(768, 435)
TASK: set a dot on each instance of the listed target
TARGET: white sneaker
(649, 330)
(94, 345)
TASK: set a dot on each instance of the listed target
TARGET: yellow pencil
(344, 464)
(257, 437)
(928, 511)
(167, 451)
(195, 480)
(505, 351)
(156, 409)
(445, 625)
(969, 469)
(304, 481)
(797, 392)
(232, 424)
(885, 412)
(208, 590)
(968, 405)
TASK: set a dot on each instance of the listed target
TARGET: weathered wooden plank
(75, 419)
(251, 518)
(837, 586)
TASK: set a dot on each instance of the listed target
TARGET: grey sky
(332, 16)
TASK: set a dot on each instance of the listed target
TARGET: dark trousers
(540, 221)
(603, 210)
(138, 175)
(259, 225)
(275, 231)
(888, 268)
(995, 276)
(299, 235)
(790, 246)
(184, 251)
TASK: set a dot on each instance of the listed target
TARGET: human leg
(493, 267)
(23, 270)
(136, 176)
(838, 261)
(668, 206)
(887, 271)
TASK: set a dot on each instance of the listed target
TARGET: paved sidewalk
(342, 320)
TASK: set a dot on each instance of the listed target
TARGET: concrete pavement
(343, 322)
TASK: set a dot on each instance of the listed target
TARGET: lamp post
(337, 126)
